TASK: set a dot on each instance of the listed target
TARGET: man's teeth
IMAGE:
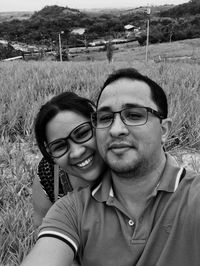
(86, 162)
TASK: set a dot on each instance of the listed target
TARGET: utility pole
(148, 11)
(60, 45)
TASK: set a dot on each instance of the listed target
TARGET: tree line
(177, 23)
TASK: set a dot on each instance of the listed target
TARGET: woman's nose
(76, 150)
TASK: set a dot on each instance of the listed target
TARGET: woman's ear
(165, 129)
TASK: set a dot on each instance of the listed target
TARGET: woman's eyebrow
(104, 108)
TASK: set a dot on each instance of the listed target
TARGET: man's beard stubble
(135, 171)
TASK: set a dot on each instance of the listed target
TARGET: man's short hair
(157, 93)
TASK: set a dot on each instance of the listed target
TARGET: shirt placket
(127, 221)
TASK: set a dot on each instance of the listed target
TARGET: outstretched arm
(49, 251)
(58, 238)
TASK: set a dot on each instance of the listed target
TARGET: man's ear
(165, 129)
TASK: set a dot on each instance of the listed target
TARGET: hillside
(178, 51)
(54, 12)
(48, 11)
(184, 10)
(9, 16)
(43, 27)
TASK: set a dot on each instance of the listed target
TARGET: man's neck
(134, 193)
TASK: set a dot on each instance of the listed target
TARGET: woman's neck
(78, 182)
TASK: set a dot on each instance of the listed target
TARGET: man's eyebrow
(124, 106)
(131, 105)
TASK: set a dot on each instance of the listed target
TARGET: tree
(7, 51)
(109, 51)
(65, 55)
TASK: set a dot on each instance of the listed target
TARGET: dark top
(46, 176)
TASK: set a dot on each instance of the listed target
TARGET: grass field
(131, 52)
(24, 86)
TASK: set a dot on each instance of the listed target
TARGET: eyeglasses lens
(80, 135)
(134, 116)
(58, 148)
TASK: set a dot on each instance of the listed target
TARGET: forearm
(49, 251)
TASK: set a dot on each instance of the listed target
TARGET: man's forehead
(125, 91)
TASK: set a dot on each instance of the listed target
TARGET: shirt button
(131, 222)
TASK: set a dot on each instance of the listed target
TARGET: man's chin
(122, 159)
(121, 166)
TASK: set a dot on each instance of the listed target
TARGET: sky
(36, 5)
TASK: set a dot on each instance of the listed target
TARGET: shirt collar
(171, 175)
(168, 182)
(104, 190)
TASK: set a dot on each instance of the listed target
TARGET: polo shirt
(102, 232)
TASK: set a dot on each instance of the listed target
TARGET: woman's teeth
(86, 162)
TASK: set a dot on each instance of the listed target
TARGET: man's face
(129, 149)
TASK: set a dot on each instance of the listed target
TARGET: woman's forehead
(63, 123)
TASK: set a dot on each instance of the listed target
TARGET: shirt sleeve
(61, 222)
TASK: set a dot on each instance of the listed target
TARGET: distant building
(129, 27)
(130, 31)
(98, 42)
(3, 42)
(79, 31)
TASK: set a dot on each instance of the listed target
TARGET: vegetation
(7, 51)
(24, 86)
(109, 51)
(167, 23)
(184, 10)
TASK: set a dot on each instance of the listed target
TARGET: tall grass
(16, 227)
(24, 86)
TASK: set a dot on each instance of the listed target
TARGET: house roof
(79, 31)
(129, 26)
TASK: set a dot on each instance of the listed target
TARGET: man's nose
(76, 149)
(118, 127)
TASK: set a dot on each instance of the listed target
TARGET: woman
(66, 139)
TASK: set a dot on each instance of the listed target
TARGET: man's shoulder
(77, 196)
(81, 193)
(192, 176)
(71, 205)
(192, 179)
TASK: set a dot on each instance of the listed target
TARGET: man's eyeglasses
(79, 134)
(134, 116)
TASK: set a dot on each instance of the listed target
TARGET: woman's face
(81, 160)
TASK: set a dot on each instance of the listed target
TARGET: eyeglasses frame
(69, 137)
(148, 109)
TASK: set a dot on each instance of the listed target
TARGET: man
(146, 209)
